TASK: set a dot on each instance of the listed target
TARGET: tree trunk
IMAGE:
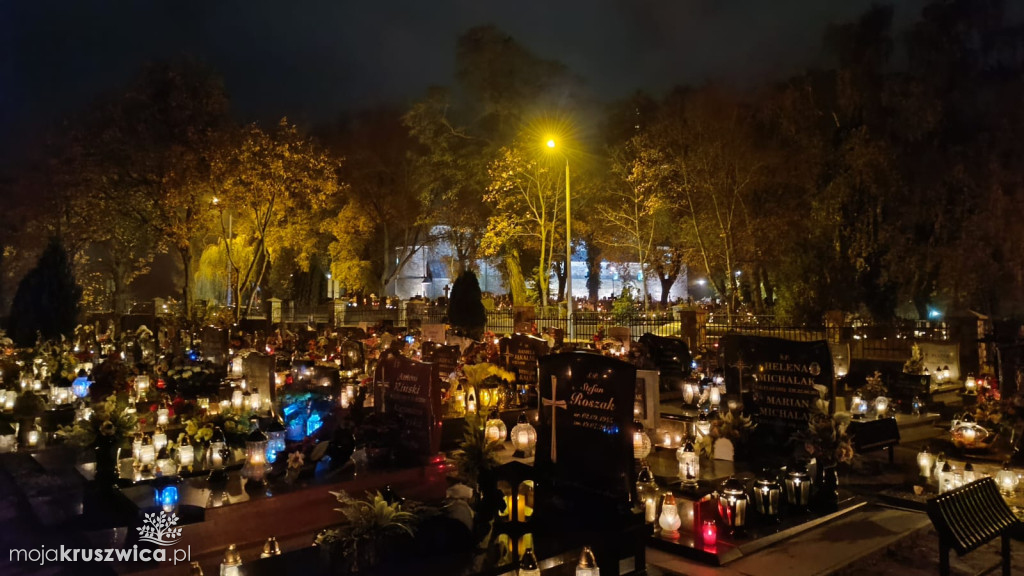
(593, 271)
(187, 290)
(666, 286)
(560, 275)
(514, 280)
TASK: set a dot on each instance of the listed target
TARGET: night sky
(313, 59)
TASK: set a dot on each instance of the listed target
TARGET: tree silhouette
(47, 299)
(466, 310)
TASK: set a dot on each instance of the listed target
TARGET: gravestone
(671, 356)
(622, 334)
(352, 355)
(905, 387)
(935, 355)
(259, 374)
(585, 431)
(410, 395)
(432, 333)
(214, 347)
(785, 379)
(519, 355)
(647, 398)
(523, 319)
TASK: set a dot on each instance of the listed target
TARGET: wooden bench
(969, 517)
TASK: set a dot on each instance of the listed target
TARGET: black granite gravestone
(411, 396)
(671, 356)
(784, 379)
(519, 355)
(585, 429)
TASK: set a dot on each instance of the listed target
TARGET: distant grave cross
(554, 403)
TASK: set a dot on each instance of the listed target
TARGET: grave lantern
(168, 498)
(1007, 480)
(969, 475)
(32, 435)
(940, 461)
(703, 424)
(881, 406)
(857, 406)
(271, 548)
(232, 563)
(732, 505)
(767, 496)
(925, 462)
(715, 396)
(471, 403)
(689, 392)
(255, 468)
(9, 400)
(641, 441)
(946, 375)
(195, 569)
(669, 520)
(141, 385)
(524, 437)
(488, 393)
(528, 564)
(971, 384)
(80, 385)
(163, 414)
(159, 438)
(915, 406)
(945, 478)
(203, 403)
(255, 401)
(147, 454)
(709, 533)
(276, 433)
(7, 437)
(186, 452)
(587, 565)
(798, 487)
(165, 465)
(647, 493)
(137, 445)
(460, 398)
(217, 455)
(689, 464)
(236, 367)
(237, 399)
(61, 394)
(495, 429)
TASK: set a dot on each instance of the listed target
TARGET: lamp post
(568, 248)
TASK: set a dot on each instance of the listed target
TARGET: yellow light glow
(551, 143)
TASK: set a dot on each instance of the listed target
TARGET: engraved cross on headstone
(555, 404)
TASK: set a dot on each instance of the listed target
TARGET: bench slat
(971, 515)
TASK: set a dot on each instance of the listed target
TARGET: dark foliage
(47, 299)
(466, 310)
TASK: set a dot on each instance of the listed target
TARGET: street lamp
(568, 247)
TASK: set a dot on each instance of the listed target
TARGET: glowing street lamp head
(551, 143)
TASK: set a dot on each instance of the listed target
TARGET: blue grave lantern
(80, 385)
(167, 498)
(276, 434)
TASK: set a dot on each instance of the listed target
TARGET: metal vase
(732, 505)
(798, 487)
(768, 497)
